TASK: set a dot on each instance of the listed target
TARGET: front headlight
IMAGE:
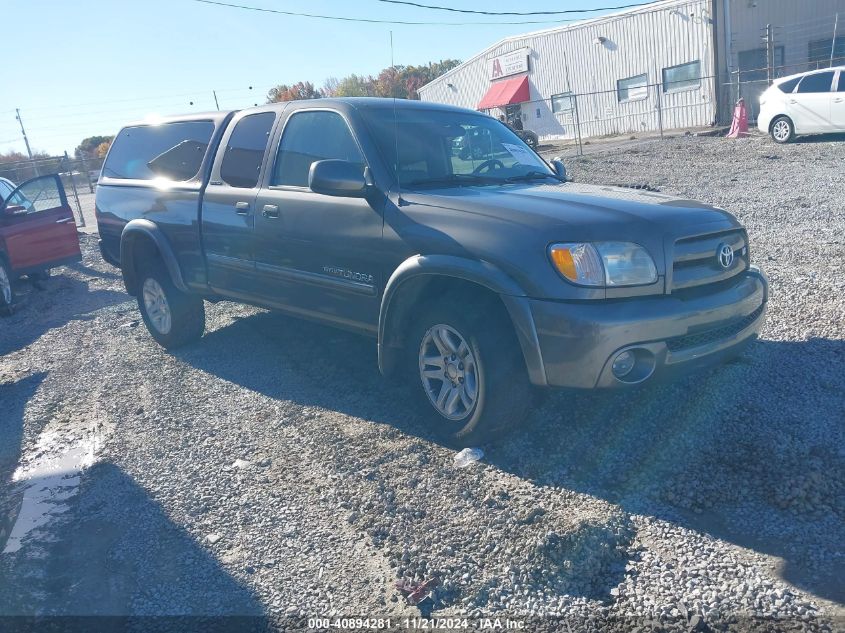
(604, 263)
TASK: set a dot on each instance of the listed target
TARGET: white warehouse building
(671, 64)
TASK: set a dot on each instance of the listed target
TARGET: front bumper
(576, 342)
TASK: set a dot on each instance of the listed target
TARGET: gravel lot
(269, 469)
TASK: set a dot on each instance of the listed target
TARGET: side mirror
(337, 178)
(560, 169)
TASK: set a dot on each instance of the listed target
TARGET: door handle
(837, 100)
(793, 101)
(64, 220)
(270, 211)
(242, 208)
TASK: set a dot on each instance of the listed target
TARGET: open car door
(37, 225)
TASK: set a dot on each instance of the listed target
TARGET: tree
(390, 83)
(103, 149)
(299, 90)
(330, 87)
(13, 156)
(87, 148)
(402, 82)
(356, 86)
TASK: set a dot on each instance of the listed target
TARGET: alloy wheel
(156, 305)
(781, 131)
(449, 372)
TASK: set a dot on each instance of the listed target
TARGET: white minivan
(809, 103)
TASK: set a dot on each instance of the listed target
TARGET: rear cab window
(169, 151)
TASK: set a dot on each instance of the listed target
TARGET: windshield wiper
(457, 179)
(533, 175)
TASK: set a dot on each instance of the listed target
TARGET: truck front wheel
(469, 374)
(173, 318)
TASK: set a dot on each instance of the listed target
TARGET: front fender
(478, 272)
(141, 228)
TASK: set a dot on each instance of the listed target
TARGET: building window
(820, 50)
(683, 77)
(632, 88)
(564, 102)
(753, 65)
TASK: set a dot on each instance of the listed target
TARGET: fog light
(623, 364)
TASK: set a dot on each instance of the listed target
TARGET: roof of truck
(356, 102)
(155, 119)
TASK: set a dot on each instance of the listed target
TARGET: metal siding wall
(642, 41)
(799, 22)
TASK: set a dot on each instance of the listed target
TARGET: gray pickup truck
(480, 274)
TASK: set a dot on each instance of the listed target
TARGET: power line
(371, 20)
(506, 13)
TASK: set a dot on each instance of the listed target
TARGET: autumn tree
(299, 90)
(102, 149)
(88, 147)
(402, 82)
(356, 86)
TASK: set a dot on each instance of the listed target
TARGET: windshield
(451, 147)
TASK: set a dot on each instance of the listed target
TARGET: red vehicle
(37, 232)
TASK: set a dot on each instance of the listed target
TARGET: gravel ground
(270, 470)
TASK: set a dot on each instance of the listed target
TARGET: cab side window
(309, 137)
(841, 81)
(245, 150)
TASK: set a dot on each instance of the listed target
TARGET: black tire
(503, 389)
(7, 293)
(782, 123)
(187, 311)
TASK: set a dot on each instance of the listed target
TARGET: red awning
(505, 92)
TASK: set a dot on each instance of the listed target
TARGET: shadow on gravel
(50, 304)
(13, 399)
(138, 565)
(751, 452)
(820, 138)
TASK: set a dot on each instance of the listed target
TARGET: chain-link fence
(78, 175)
(577, 119)
(783, 50)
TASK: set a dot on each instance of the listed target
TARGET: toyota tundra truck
(480, 274)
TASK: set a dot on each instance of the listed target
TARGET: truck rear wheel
(173, 318)
(469, 375)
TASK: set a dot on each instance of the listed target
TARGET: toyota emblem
(725, 255)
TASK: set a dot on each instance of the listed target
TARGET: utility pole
(214, 92)
(26, 140)
(833, 43)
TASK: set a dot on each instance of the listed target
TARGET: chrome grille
(696, 260)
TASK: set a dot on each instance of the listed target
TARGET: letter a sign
(497, 69)
(508, 64)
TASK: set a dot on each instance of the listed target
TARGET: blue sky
(86, 67)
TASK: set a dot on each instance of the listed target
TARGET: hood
(588, 211)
